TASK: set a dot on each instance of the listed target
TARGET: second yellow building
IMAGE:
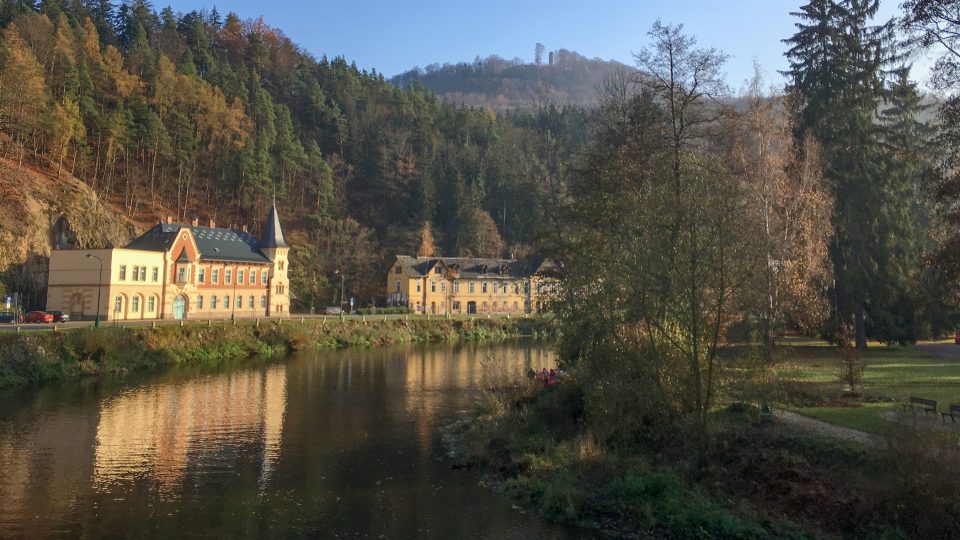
(462, 285)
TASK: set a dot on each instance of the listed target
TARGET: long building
(461, 285)
(176, 271)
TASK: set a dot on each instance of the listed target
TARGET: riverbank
(36, 358)
(541, 449)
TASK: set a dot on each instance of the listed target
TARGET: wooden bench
(925, 405)
(953, 412)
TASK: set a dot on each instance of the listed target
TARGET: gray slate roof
(272, 234)
(214, 243)
(475, 268)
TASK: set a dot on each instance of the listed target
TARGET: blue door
(179, 307)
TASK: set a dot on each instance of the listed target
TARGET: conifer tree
(836, 68)
(895, 312)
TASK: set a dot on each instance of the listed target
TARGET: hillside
(39, 212)
(201, 115)
(564, 79)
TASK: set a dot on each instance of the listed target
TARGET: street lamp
(96, 317)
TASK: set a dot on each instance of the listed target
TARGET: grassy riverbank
(755, 480)
(36, 358)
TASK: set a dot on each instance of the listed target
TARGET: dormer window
(181, 273)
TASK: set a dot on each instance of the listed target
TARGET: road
(222, 322)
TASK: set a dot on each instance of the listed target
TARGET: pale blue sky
(394, 36)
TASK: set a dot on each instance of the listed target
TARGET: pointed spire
(272, 234)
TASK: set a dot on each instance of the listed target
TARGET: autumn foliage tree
(793, 206)
(661, 251)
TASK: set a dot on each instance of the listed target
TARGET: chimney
(195, 222)
(212, 223)
(169, 220)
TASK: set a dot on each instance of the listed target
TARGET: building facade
(461, 285)
(176, 271)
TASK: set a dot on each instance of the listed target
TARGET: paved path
(819, 427)
(940, 349)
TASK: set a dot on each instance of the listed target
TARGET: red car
(38, 317)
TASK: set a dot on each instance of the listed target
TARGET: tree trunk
(860, 329)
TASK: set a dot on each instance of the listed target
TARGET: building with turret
(176, 271)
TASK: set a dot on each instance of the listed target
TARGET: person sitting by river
(544, 376)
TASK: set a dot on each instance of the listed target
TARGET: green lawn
(811, 368)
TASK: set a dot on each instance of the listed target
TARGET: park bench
(953, 412)
(925, 405)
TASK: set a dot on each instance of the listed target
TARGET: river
(327, 444)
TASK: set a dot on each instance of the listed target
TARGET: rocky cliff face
(39, 212)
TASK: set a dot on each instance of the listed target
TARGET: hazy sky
(394, 36)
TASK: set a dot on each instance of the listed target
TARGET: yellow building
(460, 285)
(176, 271)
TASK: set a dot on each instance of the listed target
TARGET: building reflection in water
(431, 371)
(161, 431)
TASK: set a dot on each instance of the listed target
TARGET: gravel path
(819, 427)
(939, 349)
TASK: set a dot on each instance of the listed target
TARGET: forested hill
(204, 115)
(563, 78)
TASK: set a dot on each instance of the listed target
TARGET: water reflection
(326, 444)
(158, 430)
